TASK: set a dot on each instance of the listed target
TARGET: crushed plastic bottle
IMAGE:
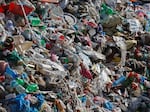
(32, 88)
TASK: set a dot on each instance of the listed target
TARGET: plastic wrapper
(135, 25)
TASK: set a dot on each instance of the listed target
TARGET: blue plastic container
(11, 72)
(119, 81)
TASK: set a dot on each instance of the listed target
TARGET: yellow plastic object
(130, 43)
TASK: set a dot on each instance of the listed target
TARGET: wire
(26, 18)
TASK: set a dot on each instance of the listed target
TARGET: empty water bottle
(20, 89)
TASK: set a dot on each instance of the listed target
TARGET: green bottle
(20, 81)
(15, 58)
(107, 9)
(42, 42)
(35, 21)
(66, 60)
(42, 27)
(32, 88)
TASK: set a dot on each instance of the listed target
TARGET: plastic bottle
(20, 89)
(35, 21)
(24, 76)
(32, 88)
(107, 9)
(42, 27)
(11, 72)
(66, 60)
(147, 26)
(119, 81)
(20, 81)
(43, 43)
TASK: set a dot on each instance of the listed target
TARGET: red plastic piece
(17, 10)
(85, 72)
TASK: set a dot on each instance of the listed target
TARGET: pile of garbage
(74, 56)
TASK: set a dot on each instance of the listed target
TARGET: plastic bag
(135, 25)
(16, 9)
(87, 62)
(147, 26)
(111, 21)
(121, 43)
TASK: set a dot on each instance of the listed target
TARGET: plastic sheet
(16, 9)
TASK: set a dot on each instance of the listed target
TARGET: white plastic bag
(121, 43)
(135, 25)
(85, 59)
